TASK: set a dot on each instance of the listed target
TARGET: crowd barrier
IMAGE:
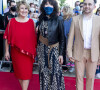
(3, 59)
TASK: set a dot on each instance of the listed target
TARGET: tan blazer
(76, 50)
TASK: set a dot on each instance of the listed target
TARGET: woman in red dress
(20, 34)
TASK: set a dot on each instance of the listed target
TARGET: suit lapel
(93, 25)
(81, 25)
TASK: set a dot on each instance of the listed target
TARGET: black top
(55, 31)
(7, 17)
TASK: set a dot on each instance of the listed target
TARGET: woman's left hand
(61, 60)
(37, 28)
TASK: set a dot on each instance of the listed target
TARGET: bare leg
(20, 81)
(25, 84)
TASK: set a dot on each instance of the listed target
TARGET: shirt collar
(86, 18)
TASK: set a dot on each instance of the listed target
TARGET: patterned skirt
(50, 73)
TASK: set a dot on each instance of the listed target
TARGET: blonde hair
(68, 12)
(22, 3)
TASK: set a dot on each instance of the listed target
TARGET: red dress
(22, 38)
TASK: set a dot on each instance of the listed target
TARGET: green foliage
(62, 2)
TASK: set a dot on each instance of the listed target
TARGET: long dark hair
(55, 11)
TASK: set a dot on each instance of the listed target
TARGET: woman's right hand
(7, 55)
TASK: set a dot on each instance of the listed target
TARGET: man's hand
(71, 59)
(61, 60)
(98, 62)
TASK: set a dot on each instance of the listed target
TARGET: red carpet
(9, 82)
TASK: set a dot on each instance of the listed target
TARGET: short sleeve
(7, 34)
(35, 35)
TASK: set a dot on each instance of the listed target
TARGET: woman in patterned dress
(50, 47)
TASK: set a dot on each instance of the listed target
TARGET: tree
(62, 2)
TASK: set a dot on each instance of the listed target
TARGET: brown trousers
(85, 65)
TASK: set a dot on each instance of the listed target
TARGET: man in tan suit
(85, 51)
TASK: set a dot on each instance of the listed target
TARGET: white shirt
(87, 32)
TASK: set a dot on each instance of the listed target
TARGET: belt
(45, 41)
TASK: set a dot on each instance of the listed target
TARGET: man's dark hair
(95, 1)
(76, 2)
(81, 3)
(11, 2)
(31, 4)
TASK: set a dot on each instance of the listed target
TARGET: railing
(2, 31)
(3, 59)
